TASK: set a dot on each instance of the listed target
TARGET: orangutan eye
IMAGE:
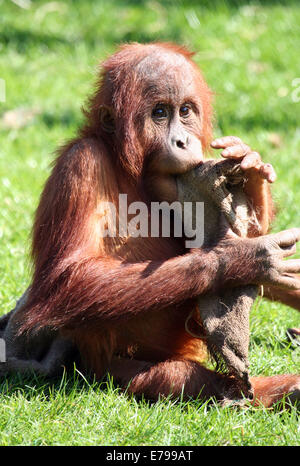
(160, 111)
(184, 110)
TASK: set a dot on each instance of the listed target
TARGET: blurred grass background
(49, 53)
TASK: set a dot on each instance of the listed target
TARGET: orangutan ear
(107, 120)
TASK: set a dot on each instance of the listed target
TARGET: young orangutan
(123, 301)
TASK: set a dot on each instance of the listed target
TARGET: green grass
(48, 57)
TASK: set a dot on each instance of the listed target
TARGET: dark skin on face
(174, 119)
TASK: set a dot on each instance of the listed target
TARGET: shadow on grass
(32, 385)
(66, 118)
(23, 38)
(213, 4)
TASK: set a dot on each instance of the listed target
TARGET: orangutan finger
(267, 171)
(251, 160)
(237, 152)
(226, 141)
